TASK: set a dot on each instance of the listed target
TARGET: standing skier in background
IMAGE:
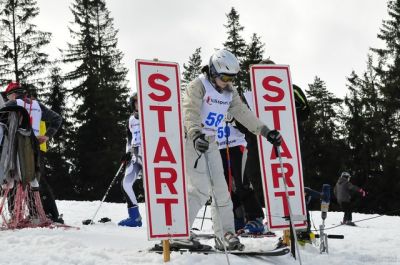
(344, 191)
(206, 101)
(231, 144)
(247, 211)
(133, 162)
(17, 96)
(252, 171)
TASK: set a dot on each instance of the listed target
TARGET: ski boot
(254, 227)
(280, 243)
(230, 241)
(192, 244)
(134, 219)
(303, 237)
(59, 219)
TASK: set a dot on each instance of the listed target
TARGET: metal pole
(204, 215)
(105, 195)
(278, 151)
(228, 157)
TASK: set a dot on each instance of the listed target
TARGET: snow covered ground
(374, 241)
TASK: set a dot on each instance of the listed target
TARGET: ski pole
(215, 200)
(228, 158)
(278, 152)
(91, 221)
(204, 215)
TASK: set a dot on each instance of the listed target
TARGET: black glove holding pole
(273, 136)
(200, 143)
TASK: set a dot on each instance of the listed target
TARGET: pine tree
(254, 54)
(100, 84)
(363, 122)
(59, 151)
(192, 69)
(389, 74)
(236, 44)
(362, 119)
(323, 153)
(21, 54)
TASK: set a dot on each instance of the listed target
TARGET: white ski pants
(199, 187)
(131, 174)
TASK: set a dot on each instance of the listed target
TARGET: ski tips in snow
(91, 222)
(87, 222)
(104, 220)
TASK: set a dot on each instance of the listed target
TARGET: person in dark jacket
(247, 210)
(253, 191)
(344, 191)
(17, 96)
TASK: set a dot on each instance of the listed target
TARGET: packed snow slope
(373, 241)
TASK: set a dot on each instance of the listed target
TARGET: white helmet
(223, 62)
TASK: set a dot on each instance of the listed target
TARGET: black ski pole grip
(336, 236)
(332, 236)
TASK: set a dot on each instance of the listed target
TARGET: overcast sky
(327, 38)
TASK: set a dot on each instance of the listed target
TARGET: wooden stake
(286, 237)
(166, 250)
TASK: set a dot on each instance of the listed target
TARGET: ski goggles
(226, 78)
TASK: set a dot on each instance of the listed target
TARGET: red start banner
(162, 134)
(274, 105)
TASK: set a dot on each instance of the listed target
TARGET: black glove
(200, 143)
(274, 137)
(126, 157)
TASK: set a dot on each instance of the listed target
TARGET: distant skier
(206, 101)
(344, 191)
(133, 161)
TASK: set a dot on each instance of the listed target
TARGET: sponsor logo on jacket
(211, 101)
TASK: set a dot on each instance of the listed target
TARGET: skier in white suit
(206, 101)
(133, 161)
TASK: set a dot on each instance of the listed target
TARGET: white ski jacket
(193, 100)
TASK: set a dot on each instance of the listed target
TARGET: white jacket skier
(133, 163)
(206, 101)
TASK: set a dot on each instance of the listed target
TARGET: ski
(203, 236)
(259, 235)
(244, 235)
(198, 248)
(63, 226)
(255, 253)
